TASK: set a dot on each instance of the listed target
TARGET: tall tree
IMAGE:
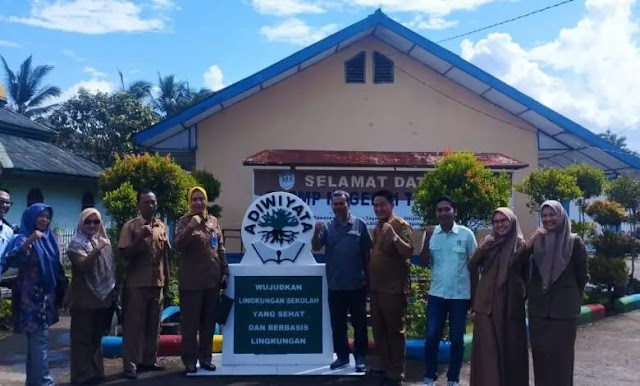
(140, 89)
(615, 139)
(26, 89)
(172, 95)
(100, 126)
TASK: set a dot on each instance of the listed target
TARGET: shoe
(339, 364)
(191, 369)
(429, 382)
(208, 366)
(361, 366)
(130, 374)
(452, 383)
(153, 367)
(375, 371)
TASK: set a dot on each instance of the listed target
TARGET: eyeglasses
(91, 222)
(6, 203)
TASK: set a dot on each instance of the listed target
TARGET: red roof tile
(369, 159)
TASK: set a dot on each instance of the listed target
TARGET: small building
(33, 169)
(371, 106)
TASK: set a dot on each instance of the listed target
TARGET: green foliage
(212, 185)
(121, 204)
(159, 173)
(478, 191)
(625, 191)
(586, 230)
(5, 314)
(606, 212)
(590, 180)
(101, 125)
(549, 184)
(607, 272)
(613, 244)
(416, 313)
(26, 90)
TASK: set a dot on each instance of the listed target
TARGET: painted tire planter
(625, 304)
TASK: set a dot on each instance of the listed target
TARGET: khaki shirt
(388, 270)
(201, 265)
(146, 259)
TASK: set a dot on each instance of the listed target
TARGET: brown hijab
(506, 246)
(552, 252)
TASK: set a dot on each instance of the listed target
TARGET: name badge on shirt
(214, 241)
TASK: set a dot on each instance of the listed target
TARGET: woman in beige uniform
(202, 273)
(92, 295)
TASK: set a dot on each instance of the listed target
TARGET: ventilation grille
(354, 69)
(382, 68)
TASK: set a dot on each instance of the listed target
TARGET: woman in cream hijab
(558, 277)
(202, 272)
(92, 295)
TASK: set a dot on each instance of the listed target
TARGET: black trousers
(341, 303)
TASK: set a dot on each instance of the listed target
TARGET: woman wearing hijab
(92, 295)
(39, 290)
(558, 277)
(202, 273)
(499, 355)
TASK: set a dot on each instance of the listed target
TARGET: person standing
(348, 248)
(203, 271)
(389, 271)
(499, 354)
(40, 289)
(6, 230)
(92, 294)
(447, 249)
(558, 277)
(143, 243)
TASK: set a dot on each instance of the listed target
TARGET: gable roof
(561, 142)
(17, 124)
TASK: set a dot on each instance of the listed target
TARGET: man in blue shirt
(6, 232)
(347, 253)
(447, 249)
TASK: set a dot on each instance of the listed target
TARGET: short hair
(5, 190)
(453, 204)
(343, 194)
(384, 193)
(142, 191)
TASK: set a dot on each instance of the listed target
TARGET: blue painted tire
(112, 346)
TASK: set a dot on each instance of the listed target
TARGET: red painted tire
(169, 345)
(597, 311)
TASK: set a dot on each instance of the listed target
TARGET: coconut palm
(171, 96)
(25, 88)
(140, 89)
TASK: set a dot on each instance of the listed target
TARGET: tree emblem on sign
(278, 220)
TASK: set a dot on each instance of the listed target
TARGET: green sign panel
(278, 315)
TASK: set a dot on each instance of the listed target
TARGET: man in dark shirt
(347, 253)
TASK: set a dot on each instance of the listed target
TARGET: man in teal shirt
(447, 248)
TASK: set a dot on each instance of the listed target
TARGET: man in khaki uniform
(144, 244)
(389, 270)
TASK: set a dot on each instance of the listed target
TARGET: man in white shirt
(6, 232)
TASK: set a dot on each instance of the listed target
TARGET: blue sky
(580, 58)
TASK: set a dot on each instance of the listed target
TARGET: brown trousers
(553, 350)
(197, 314)
(87, 328)
(388, 316)
(141, 326)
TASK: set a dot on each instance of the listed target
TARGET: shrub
(607, 272)
(613, 245)
(416, 314)
(606, 212)
(586, 230)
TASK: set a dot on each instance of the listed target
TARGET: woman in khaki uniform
(558, 278)
(202, 273)
(92, 295)
(499, 353)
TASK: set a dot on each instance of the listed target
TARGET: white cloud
(437, 7)
(93, 86)
(588, 72)
(94, 73)
(163, 4)
(213, 78)
(91, 16)
(434, 23)
(73, 55)
(295, 31)
(285, 7)
(9, 44)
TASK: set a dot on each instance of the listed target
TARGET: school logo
(287, 180)
(277, 226)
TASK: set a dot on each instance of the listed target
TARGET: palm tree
(140, 89)
(26, 90)
(171, 97)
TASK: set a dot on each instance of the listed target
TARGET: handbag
(223, 309)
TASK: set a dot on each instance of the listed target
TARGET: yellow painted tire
(217, 343)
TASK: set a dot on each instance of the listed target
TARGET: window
(354, 69)
(382, 69)
(34, 196)
(88, 201)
